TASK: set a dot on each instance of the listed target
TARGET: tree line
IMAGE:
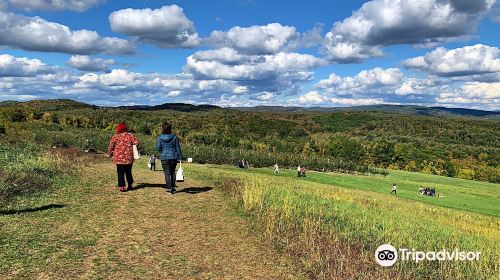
(449, 146)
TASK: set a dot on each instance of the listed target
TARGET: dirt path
(149, 234)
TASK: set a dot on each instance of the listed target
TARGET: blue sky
(252, 52)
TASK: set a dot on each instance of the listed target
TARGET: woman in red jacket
(121, 149)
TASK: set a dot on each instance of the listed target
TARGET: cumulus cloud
(86, 63)
(281, 72)
(392, 86)
(292, 66)
(264, 96)
(311, 97)
(265, 39)
(37, 34)
(315, 98)
(156, 88)
(11, 66)
(268, 39)
(469, 60)
(222, 55)
(381, 23)
(415, 86)
(122, 87)
(376, 79)
(55, 5)
(374, 86)
(166, 27)
(473, 95)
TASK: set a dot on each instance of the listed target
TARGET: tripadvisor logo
(387, 255)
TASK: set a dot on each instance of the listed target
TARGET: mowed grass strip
(467, 195)
(334, 231)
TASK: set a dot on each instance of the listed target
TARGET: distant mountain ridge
(404, 109)
(65, 104)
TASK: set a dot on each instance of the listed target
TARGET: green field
(473, 196)
(355, 214)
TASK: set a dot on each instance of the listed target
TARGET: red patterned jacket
(120, 148)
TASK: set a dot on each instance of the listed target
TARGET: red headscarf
(122, 127)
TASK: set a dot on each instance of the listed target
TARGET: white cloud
(316, 98)
(11, 66)
(55, 5)
(86, 63)
(311, 97)
(268, 39)
(389, 22)
(416, 86)
(469, 60)
(265, 96)
(482, 90)
(174, 93)
(240, 89)
(223, 55)
(37, 34)
(288, 66)
(376, 79)
(355, 101)
(472, 95)
(166, 27)
(265, 39)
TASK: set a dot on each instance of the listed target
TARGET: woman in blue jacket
(170, 152)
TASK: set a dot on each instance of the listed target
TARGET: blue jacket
(169, 147)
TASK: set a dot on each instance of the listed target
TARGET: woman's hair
(166, 128)
(121, 127)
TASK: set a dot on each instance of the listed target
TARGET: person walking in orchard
(121, 149)
(170, 152)
(276, 168)
(152, 162)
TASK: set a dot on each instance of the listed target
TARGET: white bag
(149, 165)
(179, 177)
(136, 152)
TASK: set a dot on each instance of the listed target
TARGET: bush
(25, 171)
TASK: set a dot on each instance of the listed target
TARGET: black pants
(124, 170)
(153, 166)
(169, 171)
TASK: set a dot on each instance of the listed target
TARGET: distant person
(246, 165)
(120, 148)
(298, 171)
(276, 168)
(152, 162)
(427, 191)
(302, 171)
(170, 152)
(241, 164)
(394, 188)
(421, 190)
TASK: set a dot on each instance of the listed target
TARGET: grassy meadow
(333, 223)
(473, 196)
(328, 223)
